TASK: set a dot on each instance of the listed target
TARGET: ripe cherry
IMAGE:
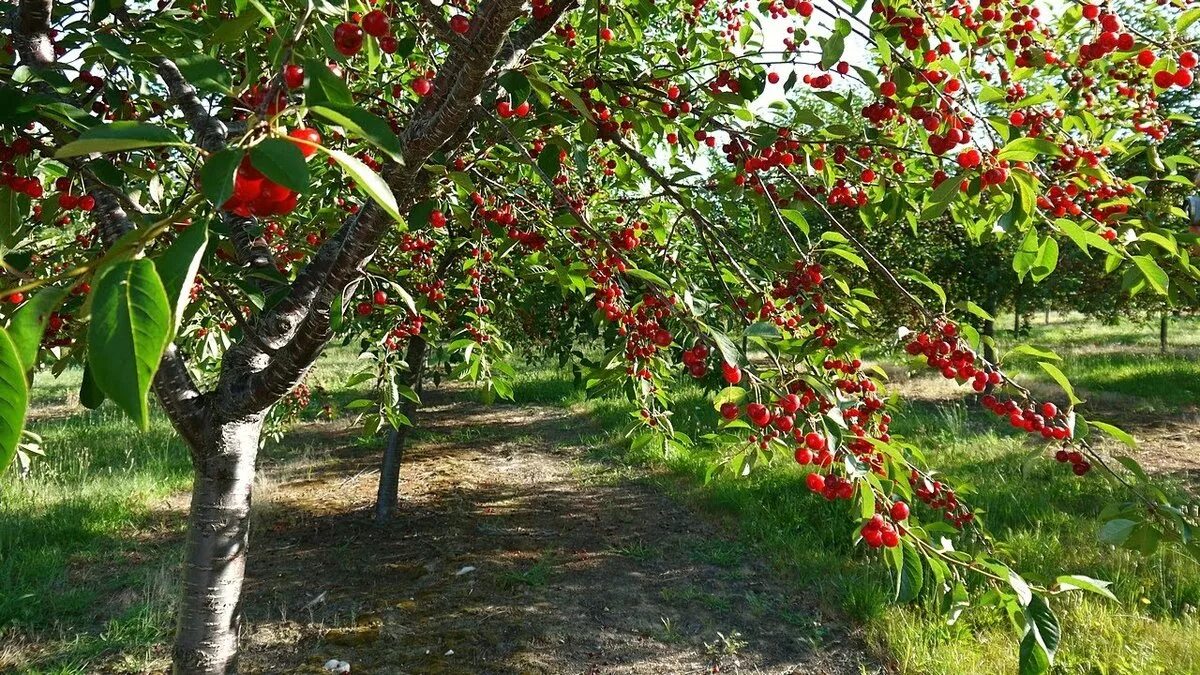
(293, 76)
(16, 298)
(376, 24)
(899, 511)
(460, 24)
(364, 308)
(422, 86)
(816, 482)
(306, 134)
(731, 373)
(348, 38)
(1146, 58)
(380, 297)
(729, 410)
(606, 34)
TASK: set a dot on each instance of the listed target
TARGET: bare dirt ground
(1168, 442)
(514, 553)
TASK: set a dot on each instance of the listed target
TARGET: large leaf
(370, 182)
(1154, 274)
(1041, 638)
(118, 137)
(177, 268)
(129, 329)
(282, 162)
(1027, 255)
(322, 86)
(29, 323)
(909, 575)
(14, 399)
(1085, 583)
(362, 125)
(1028, 149)
(217, 174)
(1058, 376)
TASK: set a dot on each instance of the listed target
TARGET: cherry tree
(196, 200)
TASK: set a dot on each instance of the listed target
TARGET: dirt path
(515, 554)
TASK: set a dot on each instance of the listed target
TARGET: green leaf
(1042, 635)
(941, 198)
(832, 50)
(217, 174)
(177, 268)
(29, 324)
(1116, 432)
(14, 399)
(1030, 350)
(1047, 260)
(204, 72)
(129, 329)
(910, 575)
(90, 395)
(797, 219)
(1154, 274)
(548, 160)
(1053, 371)
(362, 125)
(729, 395)
(322, 86)
(1116, 531)
(1028, 149)
(370, 182)
(647, 275)
(118, 137)
(1027, 255)
(282, 162)
(1083, 583)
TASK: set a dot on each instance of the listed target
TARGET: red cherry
(388, 44)
(1017, 118)
(1090, 12)
(1189, 60)
(804, 8)
(375, 23)
(348, 38)
(16, 298)
(1163, 79)
(606, 34)
(899, 511)
(816, 482)
(522, 109)
(437, 218)
(729, 410)
(293, 76)
(887, 88)
(460, 24)
(814, 441)
(1146, 58)
(969, 158)
(422, 86)
(504, 109)
(731, 373)
(891, 539)
(380, 297)
(1183, 78)
(1049, 410)
(306, 134)
(364, 308)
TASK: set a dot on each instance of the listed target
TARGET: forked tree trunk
(388, 493)
(206, 639)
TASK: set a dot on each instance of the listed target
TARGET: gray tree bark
(209, 620)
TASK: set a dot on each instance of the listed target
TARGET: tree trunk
(1017, 313)
(989, 331)
(389, 471)
(1162, 332)
(206, 639)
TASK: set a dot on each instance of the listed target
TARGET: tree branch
(300, 325)
(31, 33)
(211, 134)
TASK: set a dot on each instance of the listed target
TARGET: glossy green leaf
(177, 268)
(282, 162)
(130, 327)
(217, 175)
(14, 399)
(29, 323)
(369, 181)
(118, 137)
(362, 125)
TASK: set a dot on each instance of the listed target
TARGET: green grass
(1043, 517)
(1121, 358)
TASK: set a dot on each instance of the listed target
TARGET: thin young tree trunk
(989, 330)
(387, 495)
(206, 640)
(1162, 332)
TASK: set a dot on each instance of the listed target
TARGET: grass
(1044, 520)
(1120, 358)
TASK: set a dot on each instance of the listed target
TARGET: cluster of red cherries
(256, 195)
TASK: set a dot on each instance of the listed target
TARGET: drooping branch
(31, 33)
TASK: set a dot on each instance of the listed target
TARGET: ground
(514, 553)
(590, 555)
